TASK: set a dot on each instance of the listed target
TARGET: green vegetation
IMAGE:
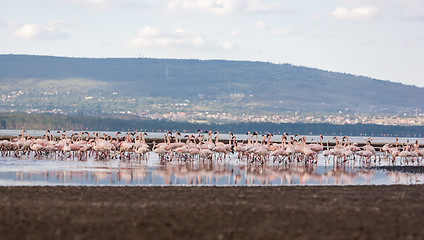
(141, 85)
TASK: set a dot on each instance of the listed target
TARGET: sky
(382, 39)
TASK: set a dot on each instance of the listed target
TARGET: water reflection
(194, 173)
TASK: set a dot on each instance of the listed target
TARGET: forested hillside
(148, 85)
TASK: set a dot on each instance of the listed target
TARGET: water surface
(31, 171)
(35, 171)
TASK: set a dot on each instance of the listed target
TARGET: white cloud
(235, 33)
(412, 42)
(47, 32)
(405, 9)
(412, 9)
(221, 7)
(94, 4)
(284, 32)
(175, 39)
(213, 6)
(226, 46)
(257, 6)
(368, 12)
(413, 15)
(315, 17)
(260, 25)
(102, 4)
(61, 24)
(7, 24)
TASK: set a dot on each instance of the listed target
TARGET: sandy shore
(354, 212)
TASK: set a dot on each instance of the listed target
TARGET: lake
(39, 171)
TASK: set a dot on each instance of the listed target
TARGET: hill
(144, 85)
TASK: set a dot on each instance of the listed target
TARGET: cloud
(413, 15)
(368, 12)
(413, 42)
(257, 6)
(412, 10)
(221, 7)
(93, 4)
(103, 5)
(44, 32)
(213, 6)
(7, 24)
(175, 39)
(260, 25)
(315, 17)
(285, 32)
(235, 33)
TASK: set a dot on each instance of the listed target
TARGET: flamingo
(326, 152)
(317, 147)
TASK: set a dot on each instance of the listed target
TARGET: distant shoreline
(98, 123)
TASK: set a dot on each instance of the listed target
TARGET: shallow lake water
(30, 171)
(35, 171)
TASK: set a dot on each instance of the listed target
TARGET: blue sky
(383, 39)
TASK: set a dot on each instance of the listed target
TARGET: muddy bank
(354, 212)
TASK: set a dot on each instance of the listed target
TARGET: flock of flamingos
(202, 146)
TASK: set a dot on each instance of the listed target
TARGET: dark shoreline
(297, 212)
(401, 169)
